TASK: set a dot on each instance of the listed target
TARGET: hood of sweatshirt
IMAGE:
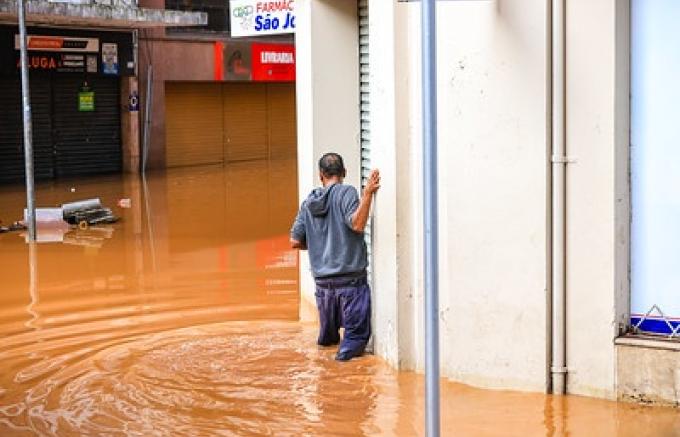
(318, 201)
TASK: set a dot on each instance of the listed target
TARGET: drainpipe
(558, 367)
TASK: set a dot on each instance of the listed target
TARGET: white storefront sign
(257, 17)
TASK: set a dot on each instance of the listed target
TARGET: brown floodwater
(181, 320)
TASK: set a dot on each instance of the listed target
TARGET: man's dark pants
(344, 302)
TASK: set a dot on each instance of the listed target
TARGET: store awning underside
(40, 12)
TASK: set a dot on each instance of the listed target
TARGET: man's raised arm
(360, 216)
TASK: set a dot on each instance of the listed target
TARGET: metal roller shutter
(193, 124)
(364, 99)
(86, 143)
(11, 129)
(212, 123)
(282, 120)
(364, 96)
(245, 122)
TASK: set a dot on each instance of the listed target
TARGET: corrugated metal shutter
(193, 124)
(11, 129)
(86, 142)
(364, 90)
(282, 124)
(246, 134)
(11, 137)
(212, 123)
(364, 98)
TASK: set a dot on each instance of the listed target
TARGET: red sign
(273, 62)
(59, 43)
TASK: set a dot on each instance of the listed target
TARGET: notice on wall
(256, 17)
(109, 58)
(92, 63)
(86, 101)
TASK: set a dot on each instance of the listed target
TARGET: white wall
(493, 139)
(597, 195)
(494, 164)
(327, 100)
(392, 230)
(493, 199)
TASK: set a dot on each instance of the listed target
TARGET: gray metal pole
(431, 257)
(28, 126)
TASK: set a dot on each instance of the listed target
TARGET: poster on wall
(86, 100)
(257, 17)
(237, 61)
(655, 179)
(109, 58)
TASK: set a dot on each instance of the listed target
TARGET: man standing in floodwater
(330, 225)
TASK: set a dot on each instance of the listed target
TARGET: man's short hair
(331, 164)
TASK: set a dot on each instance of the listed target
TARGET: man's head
(331, 167)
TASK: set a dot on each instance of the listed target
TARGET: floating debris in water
(87, 212)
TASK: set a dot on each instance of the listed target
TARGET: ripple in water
(223, 379)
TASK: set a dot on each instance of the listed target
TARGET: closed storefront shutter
(364, 113)
(282, 120)
(213, 123)
(194, 124)
(11, 130)
(364, 89)
(66, 142)
(245, 122)
(11, 146)
(86, 142)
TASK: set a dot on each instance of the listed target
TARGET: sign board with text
(257, 17)
(273, 62)
(45, 43)
(86, 101)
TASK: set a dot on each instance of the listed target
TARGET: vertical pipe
(429, 90)
(147, 116)
(135, 50)
(558, 368)
(28, 126)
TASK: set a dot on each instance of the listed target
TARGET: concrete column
(394, 261)
(597, 191)
(327, 99)
(129, 123)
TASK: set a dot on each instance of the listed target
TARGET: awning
(116, 15)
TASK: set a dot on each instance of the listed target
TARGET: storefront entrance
(75, 87)
(215, 123)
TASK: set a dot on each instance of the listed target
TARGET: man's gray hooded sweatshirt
(324, 226)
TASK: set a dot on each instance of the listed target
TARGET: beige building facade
(496, 99)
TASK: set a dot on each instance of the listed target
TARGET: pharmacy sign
(256, 17)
